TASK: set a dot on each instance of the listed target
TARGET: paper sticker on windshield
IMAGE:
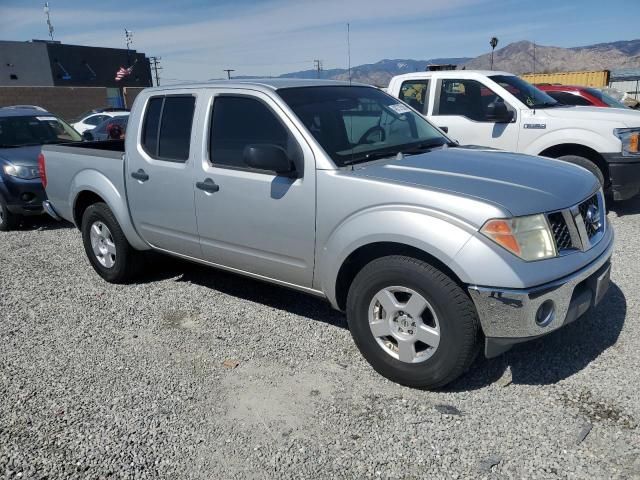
(47, 119)
(399, 108)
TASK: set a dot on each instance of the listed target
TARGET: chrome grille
(560, 231)
(591, 227)
(579, 227)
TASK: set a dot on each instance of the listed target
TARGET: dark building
(42, 63)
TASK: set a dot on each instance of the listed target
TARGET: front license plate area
(603, 280)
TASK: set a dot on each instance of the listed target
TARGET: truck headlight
(18, 171)
(630, 138)
(528, 237)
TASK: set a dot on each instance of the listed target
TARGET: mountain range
(517, 57)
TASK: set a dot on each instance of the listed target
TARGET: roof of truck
(454, 73)
(23, 111)
(271, 83)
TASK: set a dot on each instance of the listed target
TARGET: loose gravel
(194, 373)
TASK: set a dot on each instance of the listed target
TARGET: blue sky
(197, 39)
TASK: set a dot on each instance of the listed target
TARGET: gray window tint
(151, 124)
(241, 121)
(175, 129)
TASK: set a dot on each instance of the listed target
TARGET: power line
(318, 66)
(155, 62)
(229, 70)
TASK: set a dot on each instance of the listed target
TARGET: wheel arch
(580, 150)
(363, 255)
(89, 187)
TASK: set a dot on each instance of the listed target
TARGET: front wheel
(108, 250)
(411, 322)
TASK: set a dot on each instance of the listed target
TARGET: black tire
(457, 317)
(127, 260)
(587, 164)
(8, 220)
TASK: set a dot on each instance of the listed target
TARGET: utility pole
(494, 43)
(46, 12)
(155, 62)
(229, 70)
(318, 66)
(128, 38)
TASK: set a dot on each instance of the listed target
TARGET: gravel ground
(194, 373)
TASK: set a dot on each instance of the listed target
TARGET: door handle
(140, 175)
(444, 129)
(209, 186)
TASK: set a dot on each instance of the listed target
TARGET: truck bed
(73, 167)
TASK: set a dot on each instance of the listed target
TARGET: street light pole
(494, 43)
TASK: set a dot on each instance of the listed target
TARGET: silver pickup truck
(344, 192)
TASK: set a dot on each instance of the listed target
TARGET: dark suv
(23, 130)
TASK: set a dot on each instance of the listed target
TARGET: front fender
(433, 232)
(98, 183)
(587, 138)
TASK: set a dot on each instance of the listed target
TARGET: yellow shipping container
(598, 78)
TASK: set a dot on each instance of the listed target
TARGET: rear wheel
(108, 250)
(587, 164)
(8, 220)
(411, 322)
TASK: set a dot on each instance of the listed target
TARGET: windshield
(524, 91)
(35, 130)
(603, 97)
(357, 124)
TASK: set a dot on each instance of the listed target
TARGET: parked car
(22, 132)
(92, 120)
(580, 96)
(500, 110)
(103, 130)
(345, 193)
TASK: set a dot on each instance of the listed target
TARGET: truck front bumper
(625, 176)
(510, 316)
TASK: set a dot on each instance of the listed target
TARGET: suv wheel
(411, 322)
(8, 220)
(108, 250)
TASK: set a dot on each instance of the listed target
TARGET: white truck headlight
(527, 237)
(18, 171)
(630, 138)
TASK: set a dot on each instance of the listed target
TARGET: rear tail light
(42, 170)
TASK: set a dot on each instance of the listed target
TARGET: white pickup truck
(500, 110)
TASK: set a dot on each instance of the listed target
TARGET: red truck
(577, 95)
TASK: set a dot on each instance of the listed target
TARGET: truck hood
(24, 156)
(628, 117)
(519, 184)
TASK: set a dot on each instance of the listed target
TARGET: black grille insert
(560, 231)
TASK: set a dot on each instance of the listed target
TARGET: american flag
(123, 72)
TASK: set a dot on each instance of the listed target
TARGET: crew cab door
(249, 219)
(460, 107)
(159, 174)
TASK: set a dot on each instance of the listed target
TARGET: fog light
(546, 313)
(27, 197)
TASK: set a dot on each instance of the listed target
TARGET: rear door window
(416, 94)
(166, 134)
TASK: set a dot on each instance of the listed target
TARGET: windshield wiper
(546, 105)
(369, 157)
(425, 147)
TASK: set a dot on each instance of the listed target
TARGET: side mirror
(498, 112)
(87, 136)
(269, 157)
